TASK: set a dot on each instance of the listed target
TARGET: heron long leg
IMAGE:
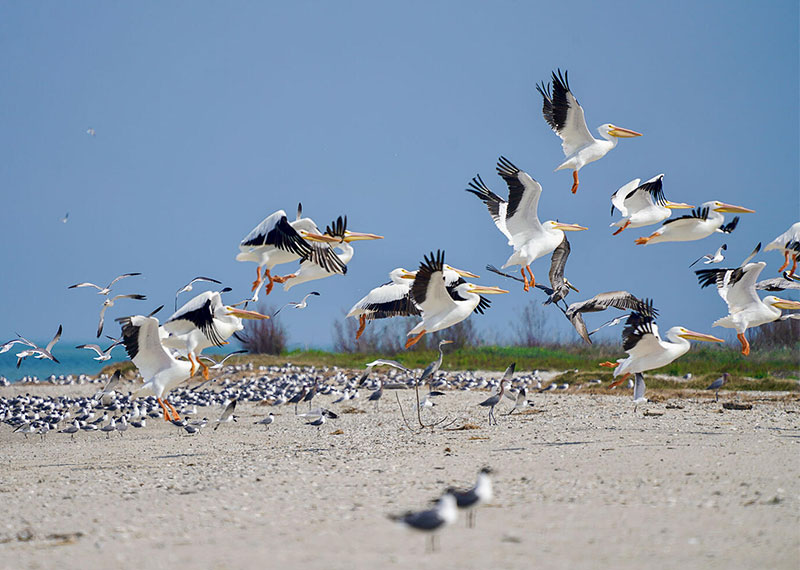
(745, 344)
(362, 323)
(415, 339)
(574, 181)
(525, 285)
(533, 281)
(627, 223)
(785, 262)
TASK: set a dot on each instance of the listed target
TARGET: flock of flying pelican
(439, 295)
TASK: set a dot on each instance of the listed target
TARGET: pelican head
(401, 273)
(618, 132)
(779, 303)
(718, 206)
(691, 335)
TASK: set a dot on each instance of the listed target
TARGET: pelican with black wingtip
(699, 224)
(642, 204)
(518, 218)
(564, 114)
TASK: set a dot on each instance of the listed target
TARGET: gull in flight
(102, 355)
(301, 305)
(716, 257)
(110, 303)
(188, 287)
(36, 351)
(103, 290)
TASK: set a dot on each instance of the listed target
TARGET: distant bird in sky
(444, 513)
(188, 287)
(716, 257)
(717, 384)
(699, 224)
(102, 355)
(301, 305)
(642, 205)
(789, 243)
(65, 218)
(91, 132)
(479, 494)
(564, 114)
(103, 290)
(518, 218)
(36, 351)
(109, 302)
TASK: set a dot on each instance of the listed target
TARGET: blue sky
(211, 116)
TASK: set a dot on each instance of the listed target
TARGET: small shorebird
(474, 497)
(266, 422)
(444, 513)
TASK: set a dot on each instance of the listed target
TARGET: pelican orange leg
(785, 262)
(574, 181)
(616, 383)
(194, 366)
(164, 408)
(627, 223)
(173, 411)
(204, 366)
(644, 240)
(279, 279)
(362, 323)
(532, 281)
(526, 286)
(258, 280)
(268, 288)
(415, 339)
(745, 344)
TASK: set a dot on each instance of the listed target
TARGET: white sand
(586, 483)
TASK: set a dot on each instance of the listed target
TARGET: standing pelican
(442, 308)
(202, 322)
(160, 371)
(642, 205)
(645, 347)
(565, 116)
(789, 243)
(701, 223)
(737, 287)
(518, 218)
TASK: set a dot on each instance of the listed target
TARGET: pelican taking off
(518, 218)
(442, 308)
(699, 224)
(737, 287)
(646, 350)
(642, 205)
(565, 116)
(160, 371)
(203, 322)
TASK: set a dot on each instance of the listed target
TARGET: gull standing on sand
(376, 395)
(266, 422)
(479, 494)
(444, 513)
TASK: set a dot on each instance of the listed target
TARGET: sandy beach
(581, 481)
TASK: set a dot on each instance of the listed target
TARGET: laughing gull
(445, 512)
(474, 497)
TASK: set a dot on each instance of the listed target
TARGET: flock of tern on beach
(169, 354)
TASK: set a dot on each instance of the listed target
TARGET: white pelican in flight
(737, 287)
(160, 371)
(699, 224)
(275, 241)
(323, 261)
(203, 322)
(393, 299)
(789, 243)
(442, 308)
(518, 218)
(565, 116)
(646, 350)
(642, 205)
